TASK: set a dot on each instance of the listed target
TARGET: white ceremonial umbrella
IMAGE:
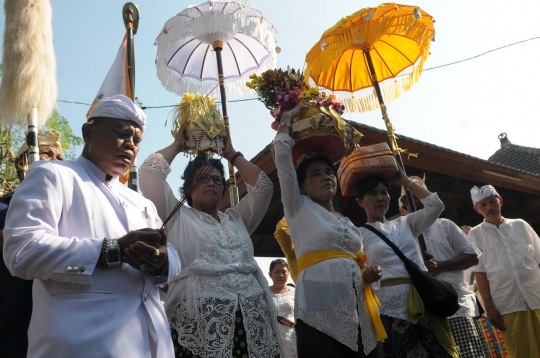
(215, 44)
(186, 60)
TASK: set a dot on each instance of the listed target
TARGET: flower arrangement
(282, 90)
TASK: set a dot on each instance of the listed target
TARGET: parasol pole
(130, 14)
(233, 189)
(392, 138)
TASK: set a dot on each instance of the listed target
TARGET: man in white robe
(508, 274)
(76, 230)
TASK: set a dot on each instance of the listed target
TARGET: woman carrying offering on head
(283, 296)
(220, 305)
(408, 337)
(331, 308)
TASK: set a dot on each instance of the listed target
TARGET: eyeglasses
(215, 178)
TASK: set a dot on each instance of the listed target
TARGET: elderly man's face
(489, 208)
(112, 144)
(46, 152)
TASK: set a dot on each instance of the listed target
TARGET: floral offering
(282, 90)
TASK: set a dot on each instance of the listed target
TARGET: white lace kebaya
(219, 272)
(329, 295)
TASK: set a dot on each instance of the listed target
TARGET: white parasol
(217, 43)
(186, 59)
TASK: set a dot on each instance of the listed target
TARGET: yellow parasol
(372, 56)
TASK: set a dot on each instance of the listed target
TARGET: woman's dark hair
(301, 171)
(368, 184)
(280, 262)
(190, 172)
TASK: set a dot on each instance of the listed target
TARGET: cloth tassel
(192, 296)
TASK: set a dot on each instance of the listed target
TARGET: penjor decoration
(28, 90)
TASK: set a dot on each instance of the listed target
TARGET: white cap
(478, 194)
(120, 107)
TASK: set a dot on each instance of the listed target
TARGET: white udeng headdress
(486, 191)
(121, 107)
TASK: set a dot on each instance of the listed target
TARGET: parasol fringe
(391, 90)
(175, 83)
(29, 77)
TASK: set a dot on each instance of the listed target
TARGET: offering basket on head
(321, 130)
(365, 162)
(206, 128)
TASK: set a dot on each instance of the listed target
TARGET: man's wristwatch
(112, 253)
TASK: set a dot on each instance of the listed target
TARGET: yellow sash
(415, 309)
(372, 301)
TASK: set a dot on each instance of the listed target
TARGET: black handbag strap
(390, 243)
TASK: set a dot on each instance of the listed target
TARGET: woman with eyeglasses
(220, 305)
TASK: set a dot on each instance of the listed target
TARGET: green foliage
(69, 140)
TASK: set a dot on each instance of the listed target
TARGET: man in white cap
(449, 253)
(16, 293)
(93, 247)
(508, 274)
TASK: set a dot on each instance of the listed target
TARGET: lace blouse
(285, 308)
(329, 294)
(219, 272)
(402, 232)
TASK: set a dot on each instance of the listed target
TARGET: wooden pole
(392, 139)
(233, 189)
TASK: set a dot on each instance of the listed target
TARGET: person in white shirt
(220, 305)
(508, 274)
(283, 296)
(93, 247)
(450, 252)
(331, 307)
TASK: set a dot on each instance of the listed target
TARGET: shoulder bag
(438, 296)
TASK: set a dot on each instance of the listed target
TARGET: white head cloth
(121, 107)
(486, 191)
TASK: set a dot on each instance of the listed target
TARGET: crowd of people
(90, 257)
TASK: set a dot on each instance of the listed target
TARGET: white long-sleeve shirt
(402, 232)
(510, 259)
(219, 272)
(54, 232)
(329, 294)
(445, 241)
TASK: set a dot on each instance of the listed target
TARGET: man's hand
(495, 318)
(149, 253)
(432, 264)
(372, 274)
